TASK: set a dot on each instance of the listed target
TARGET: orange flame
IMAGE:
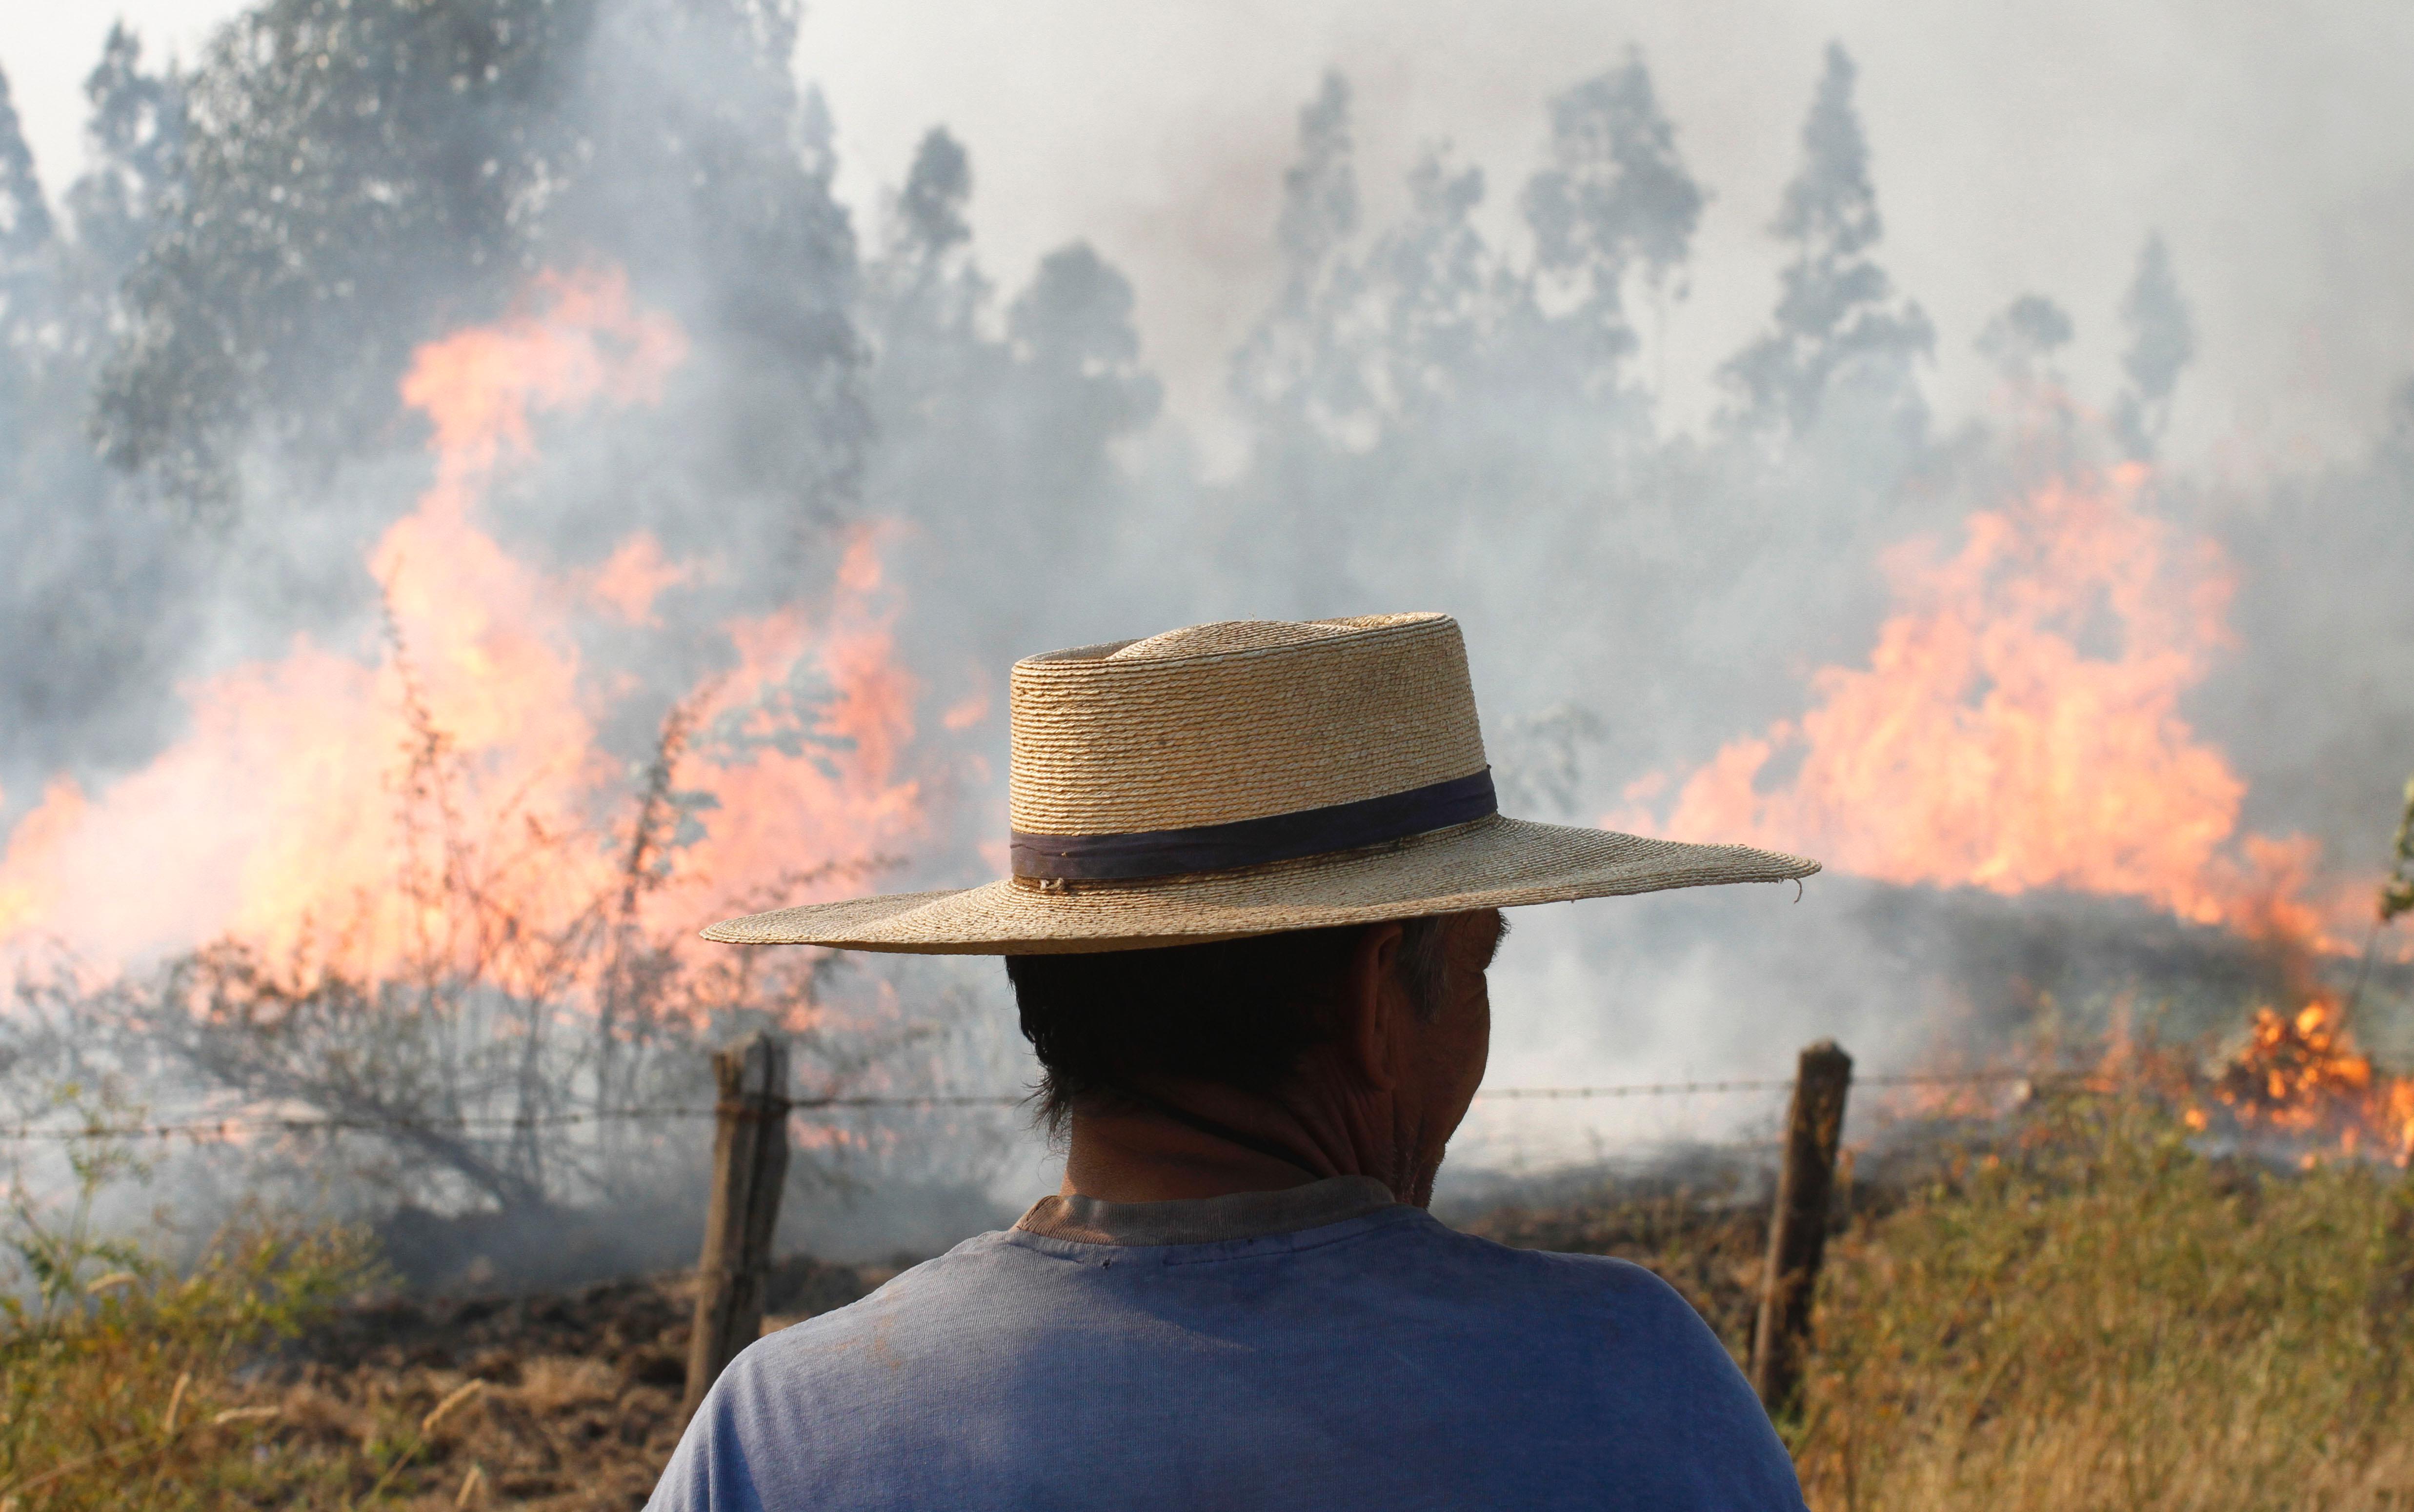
(2017, 727)
(634, 576)
(2302, 1076)
(278, 818)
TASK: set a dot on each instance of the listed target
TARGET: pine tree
(1836, 326)
(2021, 340)
(363, 175)
(100, 606)
(26, 287)
(1301, 378)
(923, 289)
(999, 444)
(25, 229)
(1301, 366)
(1080, 386)
(24, 215)
(707, 183)
(1431, 279)
(931, 208)
(351, 172)
(134, 140)
(2162, 340)
(1319, 211)
(1616, 202)
(931, 368)
(1073, 329)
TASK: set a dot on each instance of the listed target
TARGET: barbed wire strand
(231, 1124)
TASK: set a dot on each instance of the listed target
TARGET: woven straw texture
(1239, 720)
(1494, 863)
(1245, 719)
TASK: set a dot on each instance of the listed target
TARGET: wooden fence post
(1797, 1230)
(749, 1164)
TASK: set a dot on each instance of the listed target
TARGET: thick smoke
(204, 439)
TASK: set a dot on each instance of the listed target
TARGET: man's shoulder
(1547, 1265)
(1418, 1252)
(939, 1284)
(1008, 1284)
(1008, 1297)
(1553, 1275)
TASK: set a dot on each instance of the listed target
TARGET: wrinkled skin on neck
(1381, 1099)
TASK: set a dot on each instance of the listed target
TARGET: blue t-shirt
(1123, 1355)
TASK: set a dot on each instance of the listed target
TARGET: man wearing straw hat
(1256, 880)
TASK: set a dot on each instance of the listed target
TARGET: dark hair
(1238, 1012)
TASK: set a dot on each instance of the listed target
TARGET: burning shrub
(504, 1027)
(446, 937)
(2302, 1076)
(512, 1049)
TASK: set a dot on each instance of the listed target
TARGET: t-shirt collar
(1207, 1220)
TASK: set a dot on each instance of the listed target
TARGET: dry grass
(2093, 1315)
(148, 1399)
(2086, 1314)
(124, 1389)
(2081, 1313)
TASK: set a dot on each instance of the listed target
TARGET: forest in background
(203, 434)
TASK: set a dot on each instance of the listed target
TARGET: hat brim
(1491, 862)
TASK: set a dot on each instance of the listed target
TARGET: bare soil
(579, 1408)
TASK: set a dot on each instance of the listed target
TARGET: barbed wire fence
(750, 1118)
(227, 1126)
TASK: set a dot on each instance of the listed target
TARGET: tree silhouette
(1616, 202)
(923, 291)
(96, 599)
(2021, 340)
(26, 264)
(24, 214)
(1079, 356)
(1836, 326)
(1429, 279)
(134, 142)
(361, 175)
(2162, 339)
(996, 436)
(1300, 366)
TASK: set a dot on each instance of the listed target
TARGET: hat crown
(1250, 777)
(1238, 719)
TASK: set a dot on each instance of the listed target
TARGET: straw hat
(1248, 778)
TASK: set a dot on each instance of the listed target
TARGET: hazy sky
(2017, 148)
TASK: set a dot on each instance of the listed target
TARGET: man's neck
(1183, 1142)
(1137, 1155)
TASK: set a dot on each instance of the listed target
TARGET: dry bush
(495, 1059)
(121, 1388)
(515, 1052)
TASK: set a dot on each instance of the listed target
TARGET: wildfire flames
(2302, 1076)
(309, 790)
(2017, 728)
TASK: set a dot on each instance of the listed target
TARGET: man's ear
(1371, 1005)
